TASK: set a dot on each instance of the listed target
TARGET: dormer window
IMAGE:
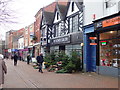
(72, 6)
(57, 15)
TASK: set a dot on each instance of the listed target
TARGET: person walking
(28, 58)
(15, 59)
(40, 60)
(3, 70)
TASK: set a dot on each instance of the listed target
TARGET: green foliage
(69, 64)
(61, 56)
(51, 69)
(52, 58)
(49, 59)
(62, 71)
(69, 67)
(75, 59)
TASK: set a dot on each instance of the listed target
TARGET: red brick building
(37, 23)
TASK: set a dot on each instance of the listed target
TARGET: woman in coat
(3, 70)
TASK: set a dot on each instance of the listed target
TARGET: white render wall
(92, 7)
(111, 10)
(21, 43)
(98, 8)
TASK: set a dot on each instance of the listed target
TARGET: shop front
(45, 46)
(36, 49)
(108, 32)
(102, 46)
(67, 43)
(23, 54)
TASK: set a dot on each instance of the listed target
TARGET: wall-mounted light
(82, 44)
(111, 31)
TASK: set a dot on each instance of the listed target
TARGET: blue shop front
(102, 46)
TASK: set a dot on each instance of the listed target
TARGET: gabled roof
(48, 16)
(62, 2)
(48, 13)
(50, 7)
(62, 10)
(62, 7)
(79, 3)
(38, 13)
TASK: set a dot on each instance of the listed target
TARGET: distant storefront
(102, 45)
(23, 54)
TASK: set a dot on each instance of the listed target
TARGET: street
(25, 76)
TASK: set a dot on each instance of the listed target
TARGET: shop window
(57, 30)
(108, 35)
(70, 25)
(110, 48)
(73, 25)
(70, 48)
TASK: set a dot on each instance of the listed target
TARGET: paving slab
(25, 76)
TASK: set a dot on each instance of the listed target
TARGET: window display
(109, 49)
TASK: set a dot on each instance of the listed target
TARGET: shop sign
(61, 40)
(103, 43)
(9, 50)
(108, 22)
(93, 40)
(111, 22)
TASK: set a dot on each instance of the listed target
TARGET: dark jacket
(39, 59)
(15, 57)
(28, 57)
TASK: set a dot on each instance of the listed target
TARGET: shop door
(93, 58)
(62, 48)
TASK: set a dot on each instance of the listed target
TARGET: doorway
(62, 48)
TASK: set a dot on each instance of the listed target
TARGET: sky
(24, 11)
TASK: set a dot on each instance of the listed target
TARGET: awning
(14, 50)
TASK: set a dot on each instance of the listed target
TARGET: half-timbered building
(46, 27)
(67, 33)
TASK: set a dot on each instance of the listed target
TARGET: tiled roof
(62, 7)
(48, 17)
(39, 12)
(48, 12)
(62, 2)
(50, 7)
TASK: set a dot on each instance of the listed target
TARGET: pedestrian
(28, 58)
(15, 59)
(40, 60)
(12, 57)
(3, 70)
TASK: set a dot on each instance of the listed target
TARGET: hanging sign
(103, 43)
(93, 40)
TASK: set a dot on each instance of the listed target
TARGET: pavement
(25, 76)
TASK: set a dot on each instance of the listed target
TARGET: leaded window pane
(70, 25)
(75, 24)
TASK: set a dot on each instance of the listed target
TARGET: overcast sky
(24, 11)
